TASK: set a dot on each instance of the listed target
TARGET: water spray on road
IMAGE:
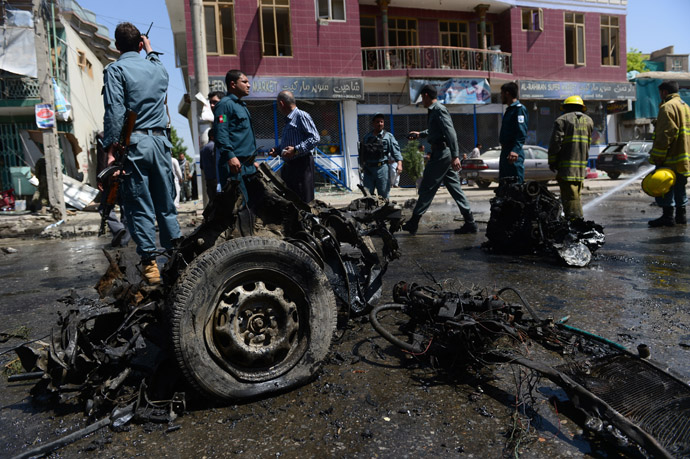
(616, 189)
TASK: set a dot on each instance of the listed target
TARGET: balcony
(435, 58)
(15, 87)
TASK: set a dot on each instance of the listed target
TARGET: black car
(624, 157)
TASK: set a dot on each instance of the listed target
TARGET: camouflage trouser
(570, 197)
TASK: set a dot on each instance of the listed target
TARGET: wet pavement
(371, 400)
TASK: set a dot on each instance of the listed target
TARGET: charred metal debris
(627, 399)
(265, 283)
(527, 218)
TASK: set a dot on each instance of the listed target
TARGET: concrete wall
(87, 102)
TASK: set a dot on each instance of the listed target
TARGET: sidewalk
(84, 223)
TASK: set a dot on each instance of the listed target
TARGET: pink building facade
(350, 59)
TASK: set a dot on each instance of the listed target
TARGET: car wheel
(614, 175)
(250, 317)
(483, 184)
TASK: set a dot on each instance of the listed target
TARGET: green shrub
(413, 160)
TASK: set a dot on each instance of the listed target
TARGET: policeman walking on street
(138, 84)
(512, 135)
(568, 153)
(374, 151)
(443, 165)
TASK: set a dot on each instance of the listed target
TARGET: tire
(483, 184)
(250, 317)
(614, 175)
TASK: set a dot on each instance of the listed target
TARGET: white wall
(87, 102)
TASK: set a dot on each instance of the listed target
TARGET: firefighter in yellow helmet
(671, 149)
(569, 151)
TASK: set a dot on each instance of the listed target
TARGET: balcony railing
(436, 58)
(19, 87)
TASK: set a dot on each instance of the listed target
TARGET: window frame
(375, 28)
(460, 35)
(416, 30)
(330, 11)
(608, 27)
(531, 27)
(217, 5)
(578, 29)
(273, 4)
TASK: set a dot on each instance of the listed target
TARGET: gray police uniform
(375, 167)
(148, 191)
(444, 147)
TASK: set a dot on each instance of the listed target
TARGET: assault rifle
(108, 177)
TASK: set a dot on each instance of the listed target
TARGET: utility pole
(200, 80)
(51, 150)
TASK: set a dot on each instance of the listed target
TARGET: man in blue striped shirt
(296, 146)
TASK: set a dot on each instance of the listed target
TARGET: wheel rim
(258, 328)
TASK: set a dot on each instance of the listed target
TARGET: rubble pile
(527, 218)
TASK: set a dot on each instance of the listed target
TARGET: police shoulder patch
(521, 118)
(222, 118)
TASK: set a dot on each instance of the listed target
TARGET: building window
(532, 19)
(367, 31)
(331, 10)
(677, 64)
(454, 34)
(574, 38)
(219, 23)
(489, 35)
(275, 28)
(84, 64)
(402, 32)
(609, 40)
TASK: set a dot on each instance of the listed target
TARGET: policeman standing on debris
(140, 84)
(443, 165)
(512, 135)
(568, 153)
(671, 149)
(374, 151)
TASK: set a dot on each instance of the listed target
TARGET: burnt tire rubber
(250, 317)
(483, 184)
(614, 175)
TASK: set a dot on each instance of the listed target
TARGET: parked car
(484, 170)
(624, 157)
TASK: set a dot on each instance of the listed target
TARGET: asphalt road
(371, 400)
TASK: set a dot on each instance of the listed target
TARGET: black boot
(681, 217)
(666, 218)
(412, 224)
(470, 227)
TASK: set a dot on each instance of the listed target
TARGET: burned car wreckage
(253, 298)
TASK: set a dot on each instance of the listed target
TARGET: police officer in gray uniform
(443, 166)
(140, 84)
(374, 151)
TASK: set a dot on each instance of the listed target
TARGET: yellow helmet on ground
(575, 100)
(658, 182)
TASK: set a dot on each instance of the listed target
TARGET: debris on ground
(527, 218)
(129, 353)
(625, 397)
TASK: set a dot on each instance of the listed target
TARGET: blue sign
(454, 90)
(560, 90)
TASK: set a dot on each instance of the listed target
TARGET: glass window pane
(614, 21)
(443, 26)
(368, 36)
(283, 23)
(568, 17)
(227, 27)
(525, 19)
(367, 21)
(569, 44)
(580, 18)
(210, 26)
(338, 9)
(269, 37)
(614, 46)
(580, 45)
(323, 9)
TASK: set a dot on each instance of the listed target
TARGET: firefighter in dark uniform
(568, 153)
(443, 165)
(377, 146)
(512, 136)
